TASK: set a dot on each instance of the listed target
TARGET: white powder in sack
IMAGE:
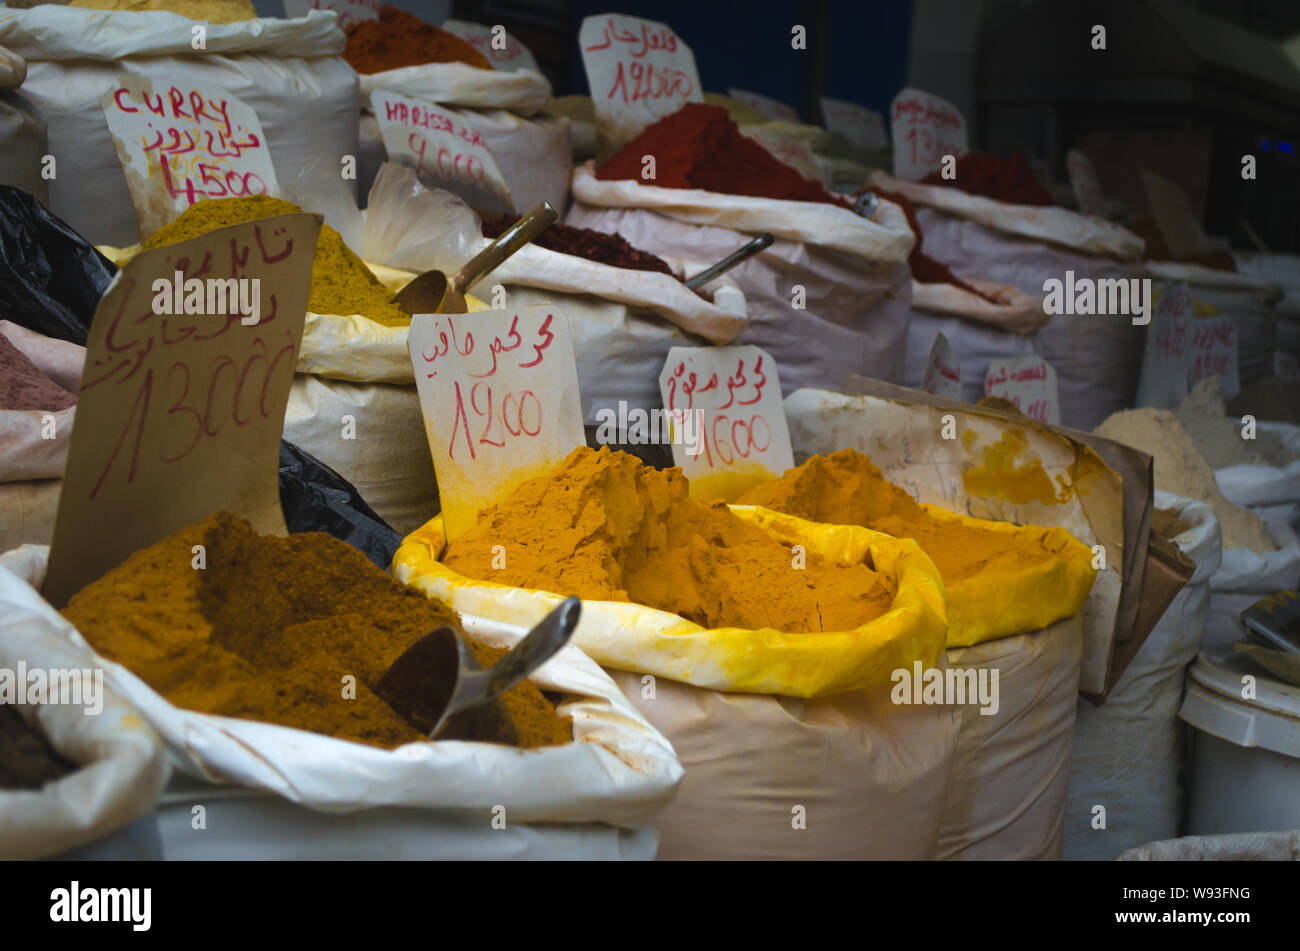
(1180, 468)
(1219, 438)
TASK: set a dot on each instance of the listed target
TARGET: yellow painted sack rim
(646, 640)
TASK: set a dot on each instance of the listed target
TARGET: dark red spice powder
(1010, 180)
(699, 146)
(925, 269)
(400, 39)
(23, 386)
(611, 249)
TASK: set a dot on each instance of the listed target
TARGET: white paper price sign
(863, 127)
(179, 143)
(942, 370)
(180, 414)
(924, 128)
(1214, 353)
(1165, 362)
(1030, 384)
(639, 71)
(729, 428)
(772, 108)
(445, 150)
(350, 11)
(1084, 181)
(499, 393)
(502, 50)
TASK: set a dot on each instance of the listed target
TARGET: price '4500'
(189, 406)
(497, 418)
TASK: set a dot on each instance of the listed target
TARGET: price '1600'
(730, 439)
(487, 417)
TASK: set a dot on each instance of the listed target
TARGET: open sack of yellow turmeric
(254, 657)
(1001, 579)
(727, 598)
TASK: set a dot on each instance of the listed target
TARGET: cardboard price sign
(499, 393)
(180, 414)
(1214, 353)
(179, 143)
(1029, 383)
(350, 11)
(1174, 216)
(1086, 185)
(502, 50)
(445, 150)
(639, 71)
(942, 370)
(772, 108)
(727, 418)
(924, 128)
(863, 127)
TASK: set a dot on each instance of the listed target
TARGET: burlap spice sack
(36, 416)
(793, 746)
(288, 71)
(1098, 359)
(400, 53)
(979, 330)
(829, 298)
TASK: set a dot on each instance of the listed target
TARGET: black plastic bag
(51, 278)
(315, 498)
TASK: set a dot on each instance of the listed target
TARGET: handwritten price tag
(639, 71)
(772, 108)
(727, 401)
(1183, 349)
(499, 392)
(1084, 181)
(924, 128)
(179, 143)
(445, 151)
(181, 414)
(863, 127)
(942, 370)
(502, 50)
(1214, 353)
(350, 11)
(1029, 383)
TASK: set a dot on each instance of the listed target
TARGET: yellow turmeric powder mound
(340, 281)
(845, 488)
(603, 526)
(213, 11)
(268, 629)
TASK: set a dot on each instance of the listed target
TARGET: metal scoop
(430, 292)
(438, 688)
(748, 250)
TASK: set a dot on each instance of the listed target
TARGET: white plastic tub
(1245, 753)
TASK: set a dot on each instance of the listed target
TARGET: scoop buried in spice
(437, 687)
(742, 253)
(430, 292)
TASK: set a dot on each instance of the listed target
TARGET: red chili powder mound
(925, 269)
(698, 146)
(23, 386)
(400, 39)
(611, 249)
(1010, 180)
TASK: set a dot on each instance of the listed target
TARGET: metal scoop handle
(507, 243)
(539, 646)
(748, 250)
